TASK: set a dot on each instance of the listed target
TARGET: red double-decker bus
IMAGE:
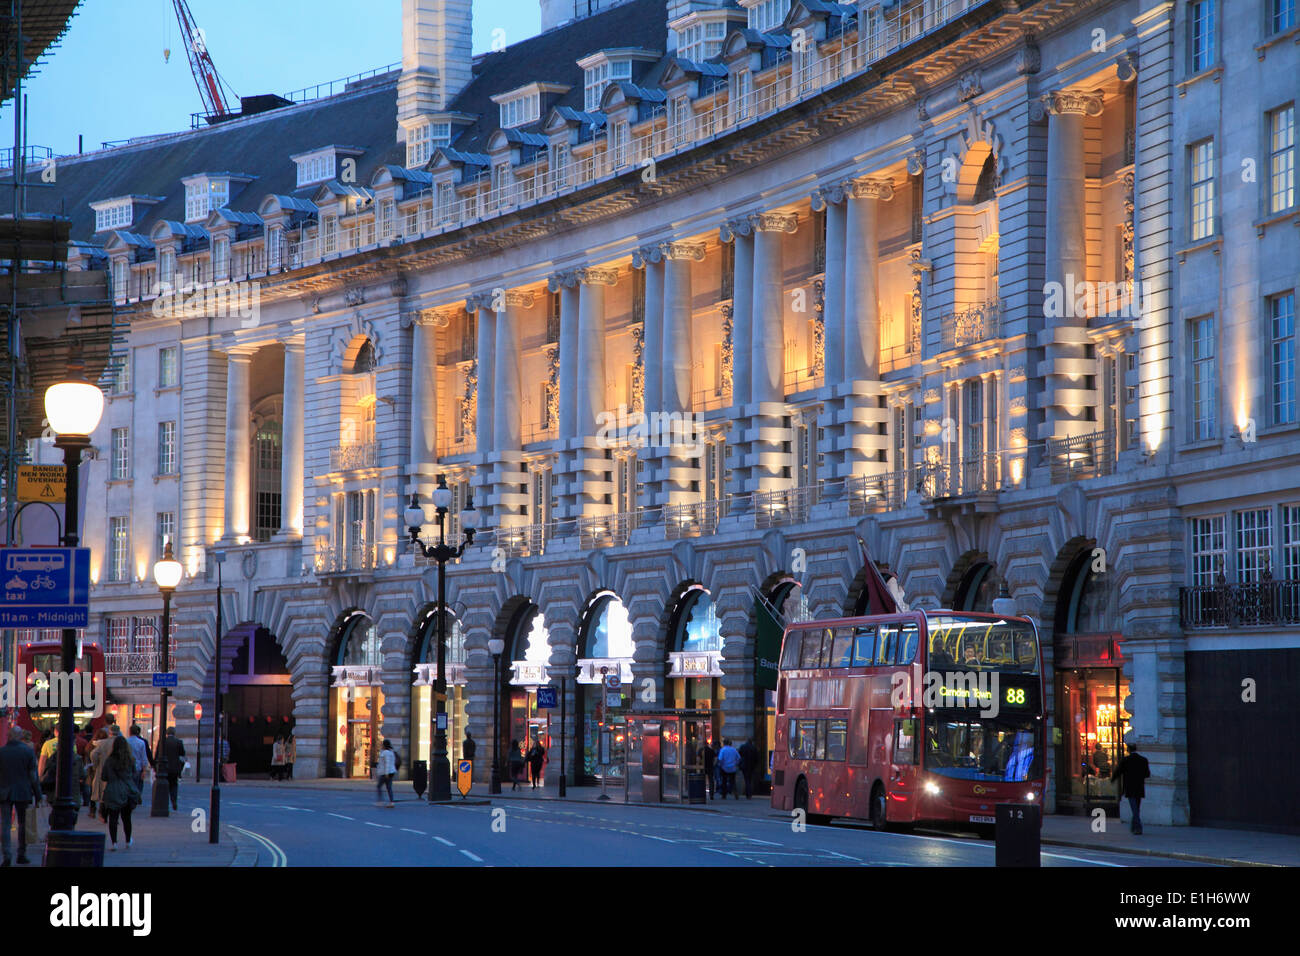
(915, 717)
(41, 657)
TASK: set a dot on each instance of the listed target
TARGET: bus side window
(794, 740)
(842, 649)
(790, 653)
(864, 646)
(905, 740)
(807, 739)
(811, 655)
(836, 736)
(885, 647)
(821, 740)
(907, 645)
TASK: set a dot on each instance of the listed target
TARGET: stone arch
(855, 597)
(979, 142)
(1066, 556)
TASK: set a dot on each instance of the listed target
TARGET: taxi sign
(464, 776)
(42, 483)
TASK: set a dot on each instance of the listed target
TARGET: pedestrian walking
(710, 767)
(277, 758)
(468, 747)
(728, 764)
(172, 762)
(290, 752)
(100, 747)
(516, 759)
(1132, 774)
(748, 764)
(536, 758)
(141, 752)
(121, 793)
(385, 770)
(83, 751)
(19, 786)
(47, 765)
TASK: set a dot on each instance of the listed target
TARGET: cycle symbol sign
(45, 587)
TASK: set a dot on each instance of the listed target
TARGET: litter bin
(420, 776)
(695, 788)
(1019, 834)
(74, 848)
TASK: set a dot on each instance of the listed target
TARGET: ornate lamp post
(495, 647)
(167, 574)
(441, 552)
(73, 408)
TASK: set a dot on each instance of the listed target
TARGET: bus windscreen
(972, 643)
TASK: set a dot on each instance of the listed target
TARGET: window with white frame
(600, 76)
(202, 195)
(1281, 15)
(120, 272)
(1202, 210)
(679, 117)
(274, 238)
(331, 231)
(1282, 325)
(118, 549)
(165, 525)
(1291, 542)
(168, 366)
(700, 41)
(1209, 549)
(444, 201)
(742, 93)
(121, 453)
(1254, 544)
(768, 15)
(1200, 21)
(166, 266)
(715, 470)
(1281, 158)
(116, 215)
(559, 163)
(520, 110)
(315, 168)
(166, 448)
(1204, 378)
(220, 258)
(121, 372)
(619, 138)
(422, 140)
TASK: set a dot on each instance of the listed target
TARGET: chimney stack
(436, 57)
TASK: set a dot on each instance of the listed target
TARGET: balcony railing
(354, 556)
(1255, 604)
(979, 323)
(352, 457)
(784, 506)
(451, 445)
(1081, 457)
(603, 531)
(695, 519)
(869, 494)
(523, 540)
(710, 399)
(536, 431)
(134, 662)
(802, 379)
(978, 474)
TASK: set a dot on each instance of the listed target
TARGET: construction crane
(205, 73)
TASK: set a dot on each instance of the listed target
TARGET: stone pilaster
(238, 447)
(507, 478)
(292, 448)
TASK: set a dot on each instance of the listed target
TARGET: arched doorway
(356, 696)
(258, 706)
(605, 641)
(978, 588)
(425, 678)
(694, 666)
(529, 650)
(1090, 689)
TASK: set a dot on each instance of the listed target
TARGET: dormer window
(767, 14)
(315, 167)
(599, 76)
(521, 110)
(203, 194)
(422, 140)
(113, 214)
(700, 41)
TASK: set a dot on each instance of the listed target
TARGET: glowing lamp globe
(167, 572)
(73, 408)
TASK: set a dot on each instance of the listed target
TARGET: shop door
(1094, 724)
(670, 760)
(256, 713)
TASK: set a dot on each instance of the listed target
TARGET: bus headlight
(931, 787)
(1030, 796)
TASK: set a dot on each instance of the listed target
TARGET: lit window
(166, 448)
(118, 542)
(517, 112)
(1205, 389)
(1282, 321)
(120, 465)
(202, 195)
(116, 216)
(1291, 542)
(167, 366)
(1201, 21)
(1281, 158)
(1281, 15)
(166, 531)
(1203, 189)
(1209, 548)
(1254, 544)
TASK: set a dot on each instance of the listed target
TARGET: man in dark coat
(1132, 773)
(172, 763)
(748, 764)
(468, 747)
(19, 786)
(708, 756)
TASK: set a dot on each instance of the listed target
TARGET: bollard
(1019, 834)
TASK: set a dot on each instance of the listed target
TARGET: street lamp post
(214, 795)
(439, 767)
(73, 408)
(167, 574)
(495, 648)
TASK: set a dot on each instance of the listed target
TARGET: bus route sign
(44, 587)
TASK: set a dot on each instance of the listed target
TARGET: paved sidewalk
(160, 842)
(1194, 844)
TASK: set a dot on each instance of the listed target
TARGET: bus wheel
(878, 808)
(801, 803)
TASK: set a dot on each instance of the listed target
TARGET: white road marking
(651, 836)
(476, 859)
(342, 816)
(277, 855)
(1079, 859)
(444, 842)
(764, 842)
(416, 832)
(382, 826)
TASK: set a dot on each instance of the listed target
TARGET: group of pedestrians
(283, 752)
(720, 768)
(534, 759)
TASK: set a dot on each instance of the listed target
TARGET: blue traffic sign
(168, 679)
(44, 587)
(548, 697)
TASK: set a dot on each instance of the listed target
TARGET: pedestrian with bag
(141, 752)
(385, 770)
(172, 763)
(1132, 773)
(536, 758)
(121, 792)
(748, 764)
(19, 786)
(728, 764)
(516, 759)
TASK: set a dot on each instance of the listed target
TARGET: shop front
(694, 666)
(356, 700)
(525, 725)
(422, 691)
(604, 690)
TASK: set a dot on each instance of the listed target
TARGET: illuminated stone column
(292, 444)
(740, 231)
(678, 356)
(566, 283)
(238, 450)
(861, 277)
(507, 387)
(485, 343)
(831, 200)
(767, 334)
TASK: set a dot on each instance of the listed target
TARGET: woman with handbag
(121, 795)
(516, 765)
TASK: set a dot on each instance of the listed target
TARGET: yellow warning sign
(42, 483)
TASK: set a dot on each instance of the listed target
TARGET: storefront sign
(528, 674)
(697, 665)
(548, 697)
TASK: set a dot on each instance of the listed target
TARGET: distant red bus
(918, 717)
(42, 656)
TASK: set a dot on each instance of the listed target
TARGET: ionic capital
(598, 276)
(732, 228)
(1072, 102)
(881, 189)
(645, 255)
(562, 280)
(693, 251)
(823, 196)
(774, 222)
(516, 299)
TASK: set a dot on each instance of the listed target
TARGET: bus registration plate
(975, 819)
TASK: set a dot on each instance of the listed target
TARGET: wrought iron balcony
(1255, 604)
(355, 456)
(695, 519)
(784, 506)
(977, 475)
(979, 323)
(353, 556)
(1081, 457)
(869, 494)
(132, 662)
(603, 531)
